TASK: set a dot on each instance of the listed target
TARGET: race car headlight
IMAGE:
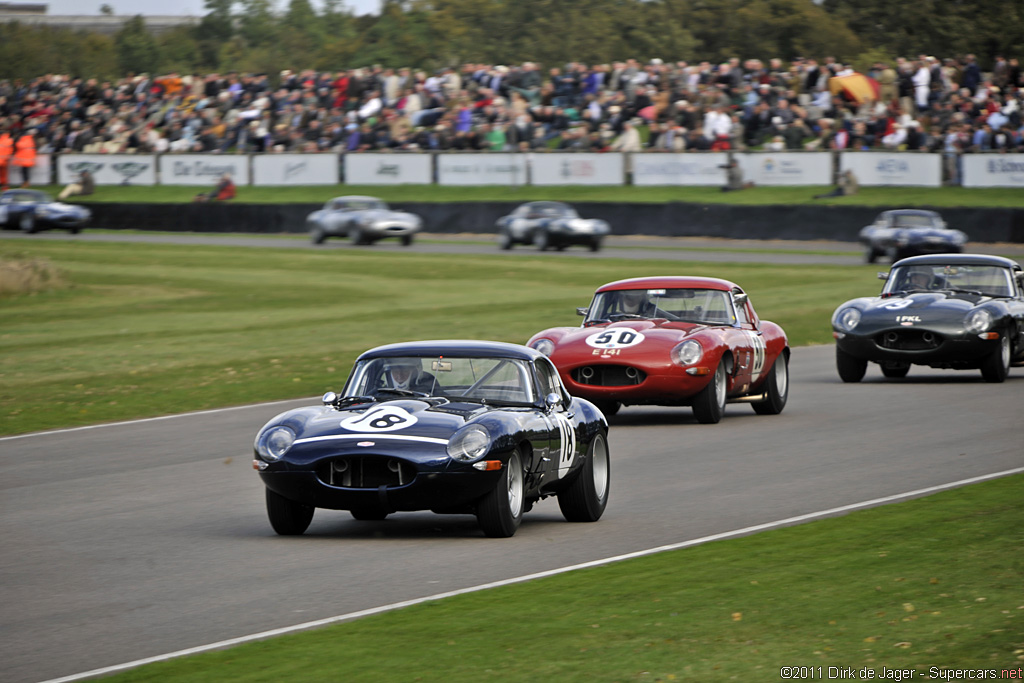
(469, 443)
(688, 353)
(545, 346)
(274, 443)
(978, 321)
(847, 319)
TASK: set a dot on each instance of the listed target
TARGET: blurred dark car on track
(31, 211)
(900, 233)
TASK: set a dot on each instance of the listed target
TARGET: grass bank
(918, 588)
(144, 330)
(888, 197)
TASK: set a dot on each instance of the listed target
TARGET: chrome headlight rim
(688, 352)
(469, 444)
(979, 320)
(274, 443)
(847, 318)
(543, 345)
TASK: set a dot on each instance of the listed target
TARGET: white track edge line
(143, 420)
(528, 577)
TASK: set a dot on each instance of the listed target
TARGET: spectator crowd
(939, 105)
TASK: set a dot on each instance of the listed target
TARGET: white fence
(532, 168)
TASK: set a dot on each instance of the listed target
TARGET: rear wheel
(895, 370)
(541, 240)
(500, 511)
(406, 240)
(317, 236)
(505, 240)
(996, 367)
(286, 516)
(595, 245)
(851, 369)
(777, 388)
(587, 496)
(709, 404)
(870, 255)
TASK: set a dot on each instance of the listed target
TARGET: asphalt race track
(128, 541)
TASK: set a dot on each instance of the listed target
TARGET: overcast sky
(193, 7)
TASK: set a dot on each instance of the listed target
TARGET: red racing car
(675, 341)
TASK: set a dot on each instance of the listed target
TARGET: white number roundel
(385, 418)
(619, 338)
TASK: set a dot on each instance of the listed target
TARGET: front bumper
(920, 346)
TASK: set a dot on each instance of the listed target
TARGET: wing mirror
(582, 311)
(883, 276)
(741, 299)
(329, 398)
(553, 400)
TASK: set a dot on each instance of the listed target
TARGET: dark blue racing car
(463, 427)
(32, 211)
(901, 233)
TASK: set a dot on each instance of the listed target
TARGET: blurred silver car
(550, 224)
(364, 220)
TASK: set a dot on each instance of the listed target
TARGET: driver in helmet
(919, 278)
(635, 302)
(407, 374)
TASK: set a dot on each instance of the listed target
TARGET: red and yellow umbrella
(856, 86)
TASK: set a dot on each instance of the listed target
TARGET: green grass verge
(888, 197)
(927, 583)
(147, 330)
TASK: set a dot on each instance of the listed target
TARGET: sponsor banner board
(786, 168)
(653, 168)
(296, 169)
(108, 169)
(993, 170)
(584, 168)
(203, 169)
(894, 168)
(388, 169)
(481, 169)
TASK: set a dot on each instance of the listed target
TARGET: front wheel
(317, 236)
(870, 255)
(996, 367)
(286, 516)
(777, 388)
(851, 369)
(356, 235)
(500, 511)
(541, 240)
(27, 223)
(505, 241)
(709, 404)
(587, 496)
(406, 240)
(595, 245)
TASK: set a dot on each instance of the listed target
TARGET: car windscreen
(987, 280)
(711, 306)
(914, 221)
(484, 379)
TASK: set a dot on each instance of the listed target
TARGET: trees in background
(268, 35)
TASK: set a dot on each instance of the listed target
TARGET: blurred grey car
(900, 233)
(550, 224)
(364, 220)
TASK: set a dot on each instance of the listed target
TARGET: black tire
(369, 514)
(505, 240)
(894, 371)
(709, 404)
(609, 408)
(75, 230)
(355, 234)
(406, 240)
(870, 255)
(500, 511)
(286, 516)
(595, 245)
(850, 368)
(587, 496)
(996, 367)
(317, 236)
(541, 240)
(777, 388)
(27, 223)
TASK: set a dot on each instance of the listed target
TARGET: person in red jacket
(224, 191)
(25, 155)
(6, 152)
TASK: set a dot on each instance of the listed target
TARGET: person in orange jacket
(25, 155)
(6, 152)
